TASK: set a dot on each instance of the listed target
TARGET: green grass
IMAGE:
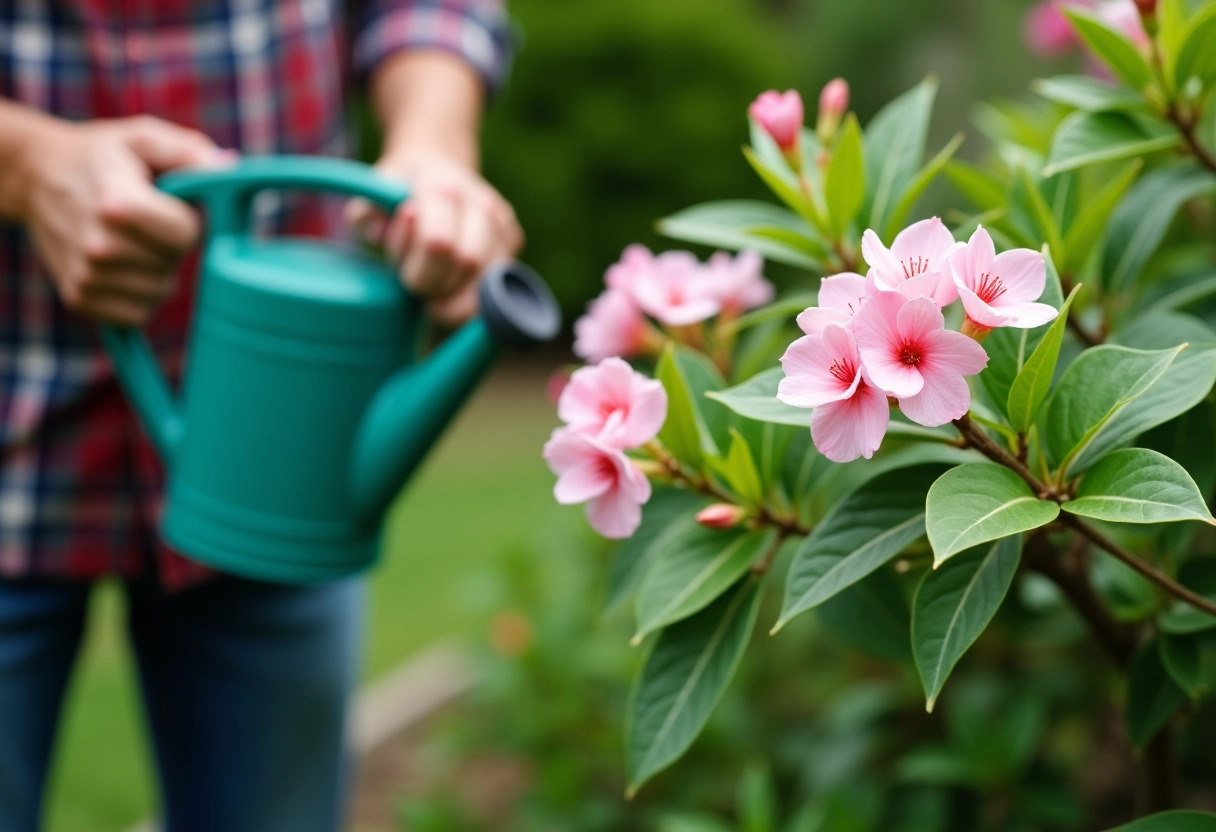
(483, 494)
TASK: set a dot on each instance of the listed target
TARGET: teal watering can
(305, 405)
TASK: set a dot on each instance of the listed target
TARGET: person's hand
(452, 228)
(110, 240)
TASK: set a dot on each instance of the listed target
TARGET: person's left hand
(454, 226)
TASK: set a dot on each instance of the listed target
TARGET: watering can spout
(409, 413)
(144, 382)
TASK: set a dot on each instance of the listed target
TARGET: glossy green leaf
(1196, 52)
(688, 577)
(691, 430)
(1190, 661)
(1136, 485)
(1181, 618)
(894, 147)
(733, 224)
(787, 190)
(666, 518)
(1112, 48)
(978, 502)
(1091, 220)
(757, 399)
(1085, 92)
(844, 183)
(1152, 696)
(871, 616)
(1138, 225)
(862, 531)
(1085, 138)
(981, 186)
(683, 679)
(1040, 212)
(953, 605)
(1033, 382)
(917, 187)
(740, 471)
(1179, 820)
(1102, 381)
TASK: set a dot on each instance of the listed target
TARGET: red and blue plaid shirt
(80, 487)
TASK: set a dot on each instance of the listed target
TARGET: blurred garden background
(618, 112)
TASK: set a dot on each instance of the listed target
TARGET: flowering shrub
(1024, 384)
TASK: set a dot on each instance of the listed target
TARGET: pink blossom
(589, 471)
(908, 353)
(834, 100)
(738, 282)
(1000, 289)
(1047, 31)
(610, 401)
(840, 296)
(1123, 16)
(625, 274)
(780, 115)
(825, 372)
(916, 265)
(612, 327)
(675, 290)
(721, 516)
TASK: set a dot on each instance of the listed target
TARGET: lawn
(484, 493)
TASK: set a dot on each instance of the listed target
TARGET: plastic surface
(304, 407)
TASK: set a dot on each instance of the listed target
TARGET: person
(245, 684)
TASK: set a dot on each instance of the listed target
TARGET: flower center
(605, 468)
(910, 354)
(843, 369)
(914, 267)
(990, 288)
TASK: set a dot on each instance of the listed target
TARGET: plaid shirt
(80, 487)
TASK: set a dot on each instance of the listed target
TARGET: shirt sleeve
(476, 30)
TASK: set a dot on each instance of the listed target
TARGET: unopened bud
(780, 114)
(1147, 8)
(833, 104)
(721, 516)
(651, 468)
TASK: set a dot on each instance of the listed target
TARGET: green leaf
(862, 531)
(894, 146)
(783, 309)
(844, 184)
(757, 399)
(1033, 382)
(1179, 820)
(953, 605)
(683, 679)
(1095, 387)
(1138, 225)
(1113, 48)
(978, 502)
(739, 470)
(756, 799)
(786, 190)
(735, 224)
(691, 430)
(1152, 696)
(1136, 485)
(1182, 657)
(1043, 217)
(1091, 221)
(1085, 138)
(668, 516)
(983, 188)
(1182, 619)
(1197, 49)
(916, 188)
(1088, 93)
(689, 576)
(871, 616)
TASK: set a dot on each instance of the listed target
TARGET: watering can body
(305, 405)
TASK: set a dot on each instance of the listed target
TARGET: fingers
(164, 146)
(430, 265)
(455, 309)
(367, 221)
(142, 212)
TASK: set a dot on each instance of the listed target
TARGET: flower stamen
(843, 370)
(990, 288)
(910, 354)
(914, 267)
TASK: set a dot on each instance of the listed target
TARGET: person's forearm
(21, 129)
(429, 101)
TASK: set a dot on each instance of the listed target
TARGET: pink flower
(675, 290)
(840, 296)
(610, 401)
(916, 265)
(1047, 31)
(721, 516)
(1124, 16)
(1000, 289)
(738, 282)
(612, 327)
(908, 353)
(625, 274)
(833, 102)
(780, 115)
(589, 471)
(825, 372)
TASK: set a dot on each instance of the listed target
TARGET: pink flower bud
(1047, 31)
(834, 100)
(721, 516)
(781, 116)
(1147, 8)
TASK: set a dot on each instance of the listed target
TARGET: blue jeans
(245, 687)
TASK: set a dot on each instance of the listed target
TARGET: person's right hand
(111, 241)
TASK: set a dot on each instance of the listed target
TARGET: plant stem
(1086, 337)
(1151, 572)
(1186, 129)
(976, 438)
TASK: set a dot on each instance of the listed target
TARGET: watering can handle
(227, 195)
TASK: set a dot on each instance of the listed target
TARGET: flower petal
(945, 397)
(842, 292)
(929, 239)
(1028, 315)
(615, 515)
(845, 430)
(976, 260)
(919, 319)
(879, 341)
(809, 381)
(1023, 272)
(955, 351)
(979, 311)
(879, 257)
(813, 319)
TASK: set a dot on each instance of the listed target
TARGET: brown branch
(1147, 570)
(1186, 129)
(1086, 337)
(976, 438)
